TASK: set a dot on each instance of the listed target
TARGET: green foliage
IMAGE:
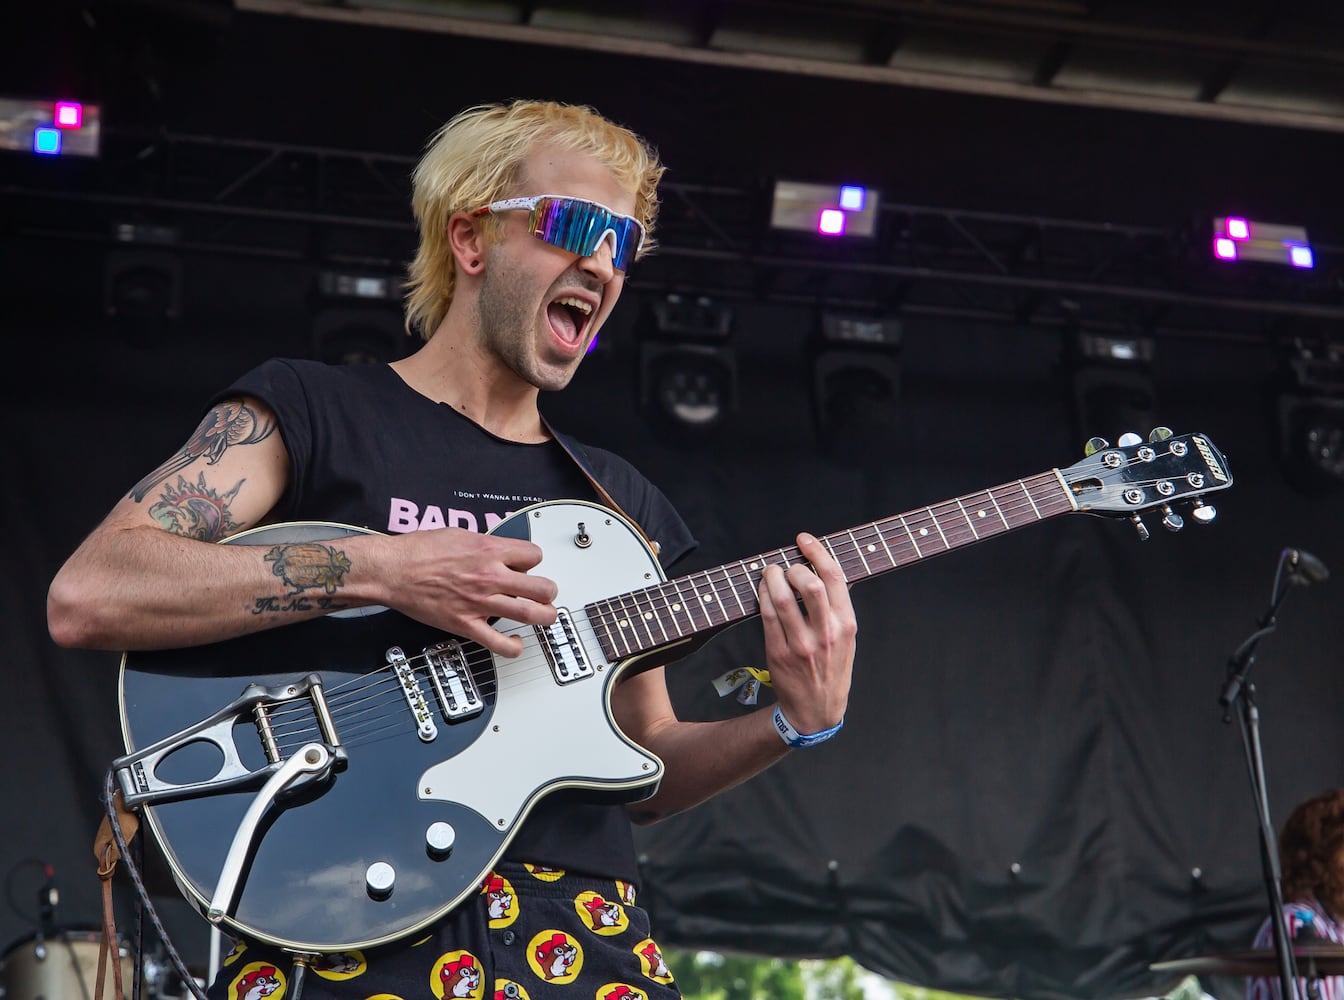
(708, 975)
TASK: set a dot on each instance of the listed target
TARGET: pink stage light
(831, 222)
(1238, 229)
(1224, 248)
(69, 114)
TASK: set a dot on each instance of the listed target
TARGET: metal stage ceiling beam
(334, 207)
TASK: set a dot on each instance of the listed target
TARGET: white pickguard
(545, 735)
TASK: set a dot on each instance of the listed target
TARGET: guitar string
(387, 696)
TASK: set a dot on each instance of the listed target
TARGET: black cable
(147, 905)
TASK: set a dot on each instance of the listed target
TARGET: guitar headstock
(1136, 475)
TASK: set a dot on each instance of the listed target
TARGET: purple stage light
(1238, 229)
(69, 114)
(1224, 248)
(831, 222)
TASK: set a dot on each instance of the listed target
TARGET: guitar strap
(575, 451)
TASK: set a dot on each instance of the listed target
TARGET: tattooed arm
(150, 576)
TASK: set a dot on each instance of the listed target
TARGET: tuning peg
(1140, 527)
(1094, 445)
(1158, 435)
(1129, 439)
(1203, 513)
(1170, 519)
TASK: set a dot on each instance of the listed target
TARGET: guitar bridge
(568, 658)
(140, 783)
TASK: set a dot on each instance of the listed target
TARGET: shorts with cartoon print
(532, 933)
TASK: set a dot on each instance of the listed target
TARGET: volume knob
(380, 879)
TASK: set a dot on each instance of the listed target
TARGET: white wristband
(794, 738)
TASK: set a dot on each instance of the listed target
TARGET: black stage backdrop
(1035, 794)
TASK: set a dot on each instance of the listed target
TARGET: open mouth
(569, 317)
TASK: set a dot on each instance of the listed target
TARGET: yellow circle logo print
(507, 989)
(500, 901)
(544, 873)
(626, 890)
(651, 961)
(619, 991)
(457, 974)
(235, 953)
(339, 965)
(555, 957)
(600, 914)
(256, 981)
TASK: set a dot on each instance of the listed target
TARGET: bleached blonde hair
(478, 157)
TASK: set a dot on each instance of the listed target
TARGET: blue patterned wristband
(794, 738)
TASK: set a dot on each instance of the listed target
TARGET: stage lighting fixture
(356, 285)
(357, 318)
(1112, 383)
(1311, 418)
(687, 367)
(827, 210)
(358, 335)
(49, 127)
(856, 383)
(1237, 238)
(142, 282)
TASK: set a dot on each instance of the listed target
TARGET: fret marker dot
(648, 615)
(923, 531)
(708, 598)
(872, 547)
(979, 513)
(755, 566)
(625, 623)
(676, 607)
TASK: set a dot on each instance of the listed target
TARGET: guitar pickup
(140, 783)
(454, 685)
(568, 659)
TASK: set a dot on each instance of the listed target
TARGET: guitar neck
(677, 610)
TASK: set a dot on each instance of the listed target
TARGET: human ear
(467, 242)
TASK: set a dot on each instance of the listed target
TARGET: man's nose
(600, 262)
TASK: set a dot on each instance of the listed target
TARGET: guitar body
(305, 884)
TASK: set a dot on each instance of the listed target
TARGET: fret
(712, 603)
(998, 510)
(683, 606)
(1027, 493)
(602, 627)
(643, 613)
(862, 558)
(668, 614)
(882, 537)
(906, 525)
(619, 634)
(934, 517)
(733, 587)
(969, 523)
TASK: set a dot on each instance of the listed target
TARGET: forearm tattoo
(305, 566)
(228, 424)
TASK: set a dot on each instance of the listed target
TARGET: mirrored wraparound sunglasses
(577, 225)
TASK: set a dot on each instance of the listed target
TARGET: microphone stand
(1236, 688)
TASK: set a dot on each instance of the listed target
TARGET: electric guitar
(345, 782)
